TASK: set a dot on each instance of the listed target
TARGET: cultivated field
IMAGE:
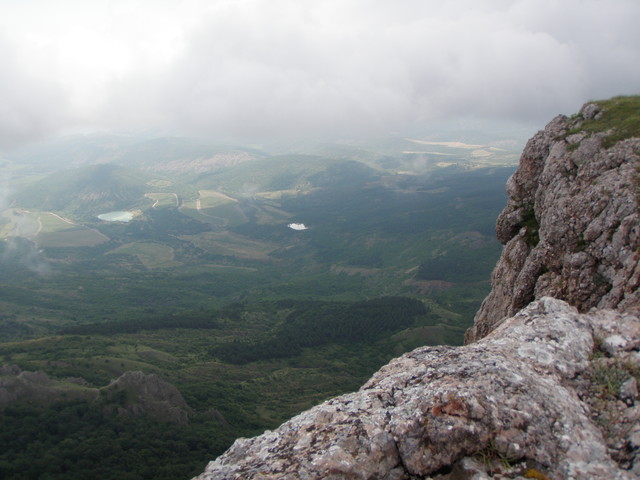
(163, 199)
(75, 237)
(151, 255)
(229, 244)
(49, 230)
(212, 199)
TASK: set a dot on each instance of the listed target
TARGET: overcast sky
(262, 68)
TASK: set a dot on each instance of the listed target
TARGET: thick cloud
(31, 103)
(260, 68)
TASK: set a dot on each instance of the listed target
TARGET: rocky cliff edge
(546, 387)
(571, 228)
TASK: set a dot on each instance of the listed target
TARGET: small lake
(116, 216)
(297, 226)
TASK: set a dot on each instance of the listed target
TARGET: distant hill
(89, 190)
(183, 156)
(269, 174)
(177, 156)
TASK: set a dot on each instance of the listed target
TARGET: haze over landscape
(258, 69)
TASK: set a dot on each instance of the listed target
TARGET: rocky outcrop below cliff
(571, 227)
(133, 394)
(148, 395)
(546, 387)
(18, 386)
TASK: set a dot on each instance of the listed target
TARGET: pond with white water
(118, 216)
(297, 226)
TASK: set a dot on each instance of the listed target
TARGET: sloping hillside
(87, 190)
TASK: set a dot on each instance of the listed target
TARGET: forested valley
(205, 287)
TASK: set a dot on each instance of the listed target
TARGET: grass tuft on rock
(621, 115)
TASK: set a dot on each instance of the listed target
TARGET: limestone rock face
(445, 411)
(571, 227)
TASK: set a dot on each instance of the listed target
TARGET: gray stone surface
(584, 200)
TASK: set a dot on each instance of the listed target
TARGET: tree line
(313, 324)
